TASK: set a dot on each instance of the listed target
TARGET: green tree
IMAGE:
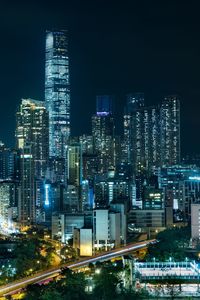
(172, 243)
(51, 295)
(72, 285)
(33, 292)
(106, 284)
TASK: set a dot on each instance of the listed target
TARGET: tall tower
(74, 164)
(27, 203)
(170, 130)
(57, 91)
(32, 130)
(134, 103)
(103, 132)
(141, 134)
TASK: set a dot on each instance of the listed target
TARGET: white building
(63, 225)
(106, 229)
(82, 241)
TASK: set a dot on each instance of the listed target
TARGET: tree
(33, 292)
(51, 295)
(106, 284)
(172, 243)
(72, 285)
(131, 294)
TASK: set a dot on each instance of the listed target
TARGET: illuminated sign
(155, 195)
(194, 178)
(46, 201)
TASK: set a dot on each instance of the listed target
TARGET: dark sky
(116, 47)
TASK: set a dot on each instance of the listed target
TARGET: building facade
(57, 91)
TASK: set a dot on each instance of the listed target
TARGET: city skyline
(151, 49)
(98, 199)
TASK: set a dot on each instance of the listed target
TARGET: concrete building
(82, 241)
(150, 221)
(195, 221)
(114, 226)
(63, 225)
(27, 200)
(106, 229)
(121, 208)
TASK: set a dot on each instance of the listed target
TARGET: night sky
(116, 47)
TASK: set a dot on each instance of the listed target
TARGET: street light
(170, 262)
(154, 262)
(186, 259)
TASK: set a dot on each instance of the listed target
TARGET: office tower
(71, 199)
(151, 221)
(153, 198)
(63, 225)
(27, 203)
(91, 166)
(74, 164)
(74, 171)
(104, 105)
(57, 91)
(86, 142)
(170, 131)
(134, 101)
(7, 162)
(103, 133)
(112, 189)
(181, 185)
(32, 129)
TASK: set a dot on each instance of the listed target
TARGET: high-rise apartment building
(151, 133)
(7, 163)
(57, 91)
(8, 202)
(134, 102)
(27, 201)
(32, 129)
(170, 130)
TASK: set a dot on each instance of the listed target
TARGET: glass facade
(57, 91)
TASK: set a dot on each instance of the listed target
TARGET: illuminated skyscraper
(104, 105)
(32, 130)
(74, 164)
(134, 102)
(103, 132)
(57, 91)
(7, 162)
(170, 130)
(141, 134)
(27, 202)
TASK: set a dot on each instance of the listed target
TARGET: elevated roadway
(53, 272)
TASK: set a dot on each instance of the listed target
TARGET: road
(37, 278)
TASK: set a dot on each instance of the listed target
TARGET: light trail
(37, 278)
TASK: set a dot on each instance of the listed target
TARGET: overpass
(53, 272)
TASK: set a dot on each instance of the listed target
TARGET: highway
(39, 277)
